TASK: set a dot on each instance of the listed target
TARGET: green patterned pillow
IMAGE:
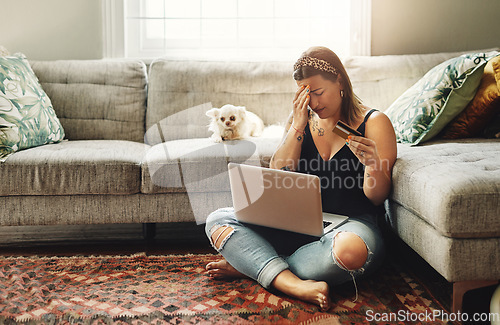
(27, 118)
(423, 110)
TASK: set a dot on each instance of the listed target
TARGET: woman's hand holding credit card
(364, 148)
(343, 130)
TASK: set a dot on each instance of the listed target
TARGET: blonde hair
(307, 66)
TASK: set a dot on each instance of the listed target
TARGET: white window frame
(113, 19)
(115, 42)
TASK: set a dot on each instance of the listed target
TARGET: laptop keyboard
(326, 224)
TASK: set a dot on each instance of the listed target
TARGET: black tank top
(341, 178)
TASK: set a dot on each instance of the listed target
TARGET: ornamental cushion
(422, 111)
(452, 185)
(492, 130)
(74, 167)
(482, 109)
(27, 118)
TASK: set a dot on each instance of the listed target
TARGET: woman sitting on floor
(302, 266)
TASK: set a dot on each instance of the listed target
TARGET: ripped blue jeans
(261, 253)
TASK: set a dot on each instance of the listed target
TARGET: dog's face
(228, 116)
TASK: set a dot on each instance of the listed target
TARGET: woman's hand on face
(365, 149)
(300, 108)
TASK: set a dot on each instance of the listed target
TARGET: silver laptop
(280, 199)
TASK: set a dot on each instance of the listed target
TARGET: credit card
(343, 130)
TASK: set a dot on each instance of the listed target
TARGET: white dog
(233, 122)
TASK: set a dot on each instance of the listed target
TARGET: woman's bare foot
(316, 292)
(222, 269)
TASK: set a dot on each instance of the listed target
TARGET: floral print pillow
(422, 111)
(27, 118)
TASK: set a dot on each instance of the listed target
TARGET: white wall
(72, 29)
(52, 29)
(427, 26)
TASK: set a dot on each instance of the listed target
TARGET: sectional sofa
(137, 150)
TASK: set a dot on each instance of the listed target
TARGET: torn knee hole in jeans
(337, 260)
(352, 271)
(219, 234)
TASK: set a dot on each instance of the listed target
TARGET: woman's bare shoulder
(379, 119)
(379, 128)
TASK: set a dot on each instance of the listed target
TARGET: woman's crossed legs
(298, 265)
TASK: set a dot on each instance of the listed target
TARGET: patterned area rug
(175, 290)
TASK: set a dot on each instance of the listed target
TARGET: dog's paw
(216, 139)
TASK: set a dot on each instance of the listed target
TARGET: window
(235, 29)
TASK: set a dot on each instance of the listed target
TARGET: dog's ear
(213, 113)
(242, 111)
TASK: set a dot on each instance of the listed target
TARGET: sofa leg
(461, 287)
(149, 231)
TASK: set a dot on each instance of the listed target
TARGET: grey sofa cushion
(108, 209)
(178, 88)
(265, 88)
(457, 259)
(97, 99)
(200, 165)
(451, 185)
(74, 167)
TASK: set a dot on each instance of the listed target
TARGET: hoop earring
(341, 93)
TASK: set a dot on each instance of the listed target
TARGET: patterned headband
(315, 63)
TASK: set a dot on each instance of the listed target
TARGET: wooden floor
(183, 238)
